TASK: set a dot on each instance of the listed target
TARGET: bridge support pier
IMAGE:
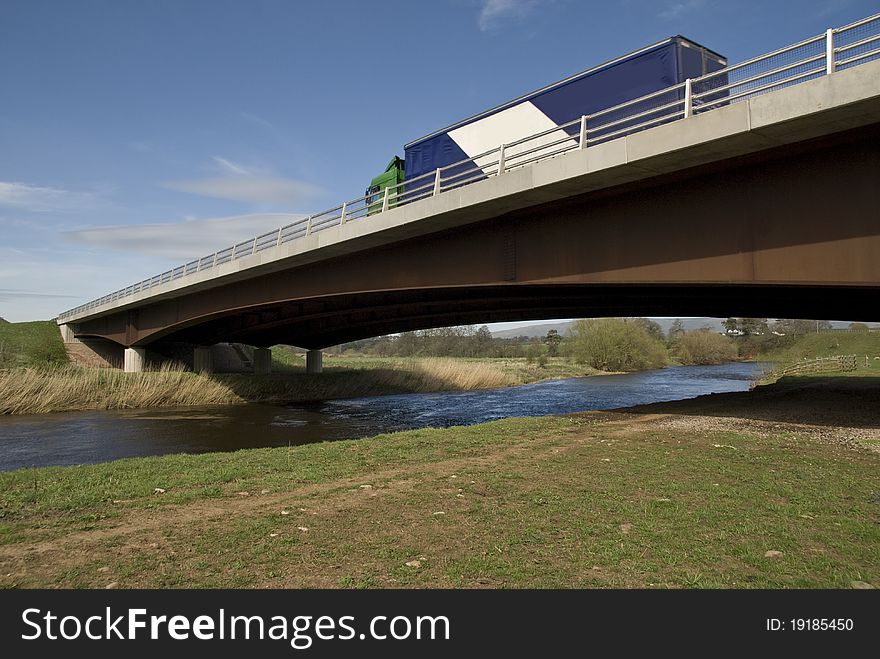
(134, 360)
(262, 361)
(202, 361)
(314, 361)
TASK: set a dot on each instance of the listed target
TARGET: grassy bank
(35, 343)
(661, 496)
(54, 389)
(830, 344)
(864, 345)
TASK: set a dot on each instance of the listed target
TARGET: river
(98, 436)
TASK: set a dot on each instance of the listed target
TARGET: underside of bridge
(791, 232)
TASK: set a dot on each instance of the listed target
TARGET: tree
(731, 325)
(675, 330)
(793, 326)
(858, 327)
(407, 344)
(651, 327)
(482, 342)
(552, 340)
(612, 344)
(533, 352)
(799, 326)
(704, 346)
(754, 326)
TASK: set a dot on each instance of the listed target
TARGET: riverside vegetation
(36, 378)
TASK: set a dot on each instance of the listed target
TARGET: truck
(649, 69)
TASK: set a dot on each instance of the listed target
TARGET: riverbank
(69, 388)
(772, 488)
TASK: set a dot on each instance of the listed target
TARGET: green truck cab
(392, 176)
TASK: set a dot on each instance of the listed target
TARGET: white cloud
(41, 199)
(9, 294)
(241, 183)
(495, 12)
(255, 189)
(230, 167)
(677, 9)
(185, 240)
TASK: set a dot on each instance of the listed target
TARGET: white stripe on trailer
(505, 127)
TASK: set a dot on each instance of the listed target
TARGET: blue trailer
(650, 69)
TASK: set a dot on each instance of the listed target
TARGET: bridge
(752, 191)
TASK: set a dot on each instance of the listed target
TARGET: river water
(98, 436)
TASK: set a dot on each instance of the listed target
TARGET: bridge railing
(836, 49)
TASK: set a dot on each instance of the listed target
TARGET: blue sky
(136, 135)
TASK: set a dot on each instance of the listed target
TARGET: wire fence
(835, 50)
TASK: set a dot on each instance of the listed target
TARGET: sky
(135, 136)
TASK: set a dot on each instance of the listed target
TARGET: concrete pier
(202, 360)
(262, 361)
(314, 361)
(134, 360)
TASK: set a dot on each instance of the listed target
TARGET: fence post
(688, 98)
(342, 217)
(436, 182)
(829, 51)
(501, 160)
(278, 240)
(385, 199)
(309, 225)
(583, 143)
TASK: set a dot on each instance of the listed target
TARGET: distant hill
(532, 331)
(3, 320)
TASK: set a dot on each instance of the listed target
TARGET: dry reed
(38, 391)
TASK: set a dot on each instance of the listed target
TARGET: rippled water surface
(87, 437)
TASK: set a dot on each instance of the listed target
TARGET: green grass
(591, 500)
(31, 344)
(864, 345)
(830, 344)
(286, 359)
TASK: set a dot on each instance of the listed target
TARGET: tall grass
(65, 388)
(40, 390)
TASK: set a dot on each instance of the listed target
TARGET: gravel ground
(836, 409)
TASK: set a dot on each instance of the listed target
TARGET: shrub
(705, 347)
(613, 344)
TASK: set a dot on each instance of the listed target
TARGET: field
(774, 488)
